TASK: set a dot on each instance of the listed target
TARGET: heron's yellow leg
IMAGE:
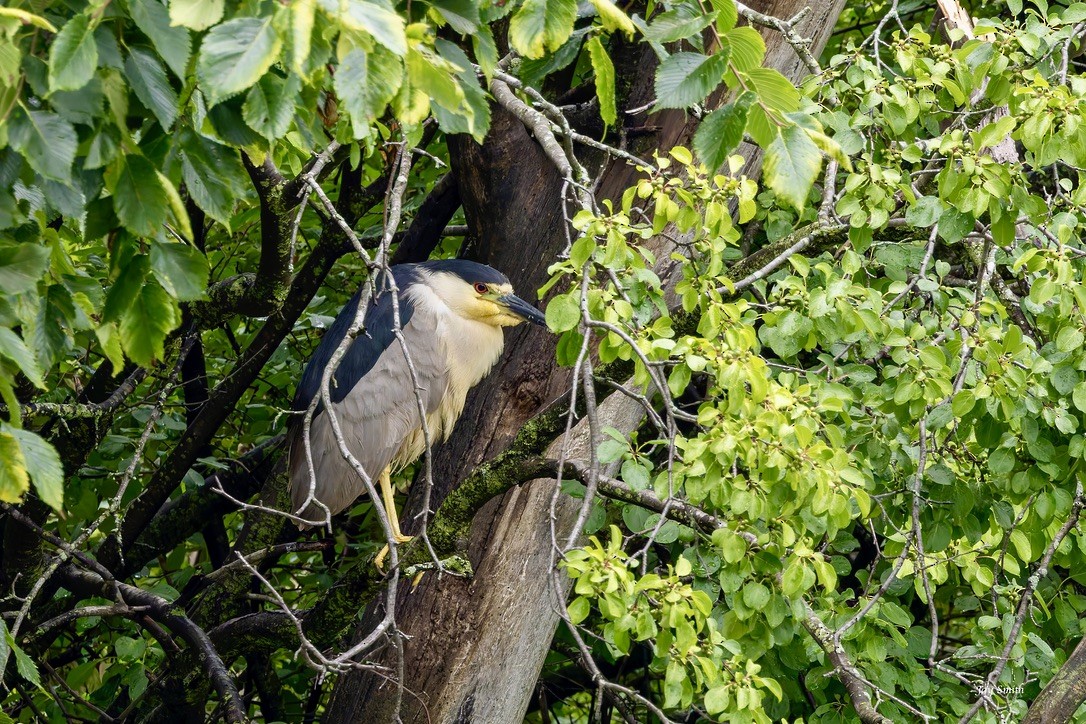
(389, 501)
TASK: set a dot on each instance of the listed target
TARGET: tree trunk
(474, 648)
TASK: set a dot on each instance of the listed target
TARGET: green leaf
(541, 25)
(196, 14)
(679, 24)
(612, 18)
(145, 324)
(773, 89)
(269, 107)
(13, 347)
(22, 266)
(605, 80)
(473, 115)
(235, 55)
(365, 84)
(14, 480)
(172, 42)
(24, 664)
(43, 465)
(45, 140)
(564, 312)
(213, 175)
(579, 608)
(181, 270)
(792, 163)
(748, 47)
(925, 211)
(73, 55)
(139, 199)
(150, 84)
(302, 14)
(721, 131)
(687, 78)
(461, 15)
(386, 26)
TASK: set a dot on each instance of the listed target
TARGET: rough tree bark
(475, 647)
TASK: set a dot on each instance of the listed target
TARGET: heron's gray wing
(375, 405)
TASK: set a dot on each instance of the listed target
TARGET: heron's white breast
(471, 348)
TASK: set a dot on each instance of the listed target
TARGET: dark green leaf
(46, 140)
(685, 79)
(365, 84)
(172, 42)
(235, 55)
(269, 107)
(73, 55)
(13, 347)
(462, 15)
(721, 131)
(150, 84)
(213, 175)
(138, 196)
(146, 323)
(180, 269)
(22, 267)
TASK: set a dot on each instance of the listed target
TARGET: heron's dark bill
(522, 309)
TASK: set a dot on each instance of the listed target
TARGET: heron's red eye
(480, 287)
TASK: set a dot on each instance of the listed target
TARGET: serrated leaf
(269, 106)
(150, 84)
(73, 55)
(178, 212)
(196, 14)
(679, 24)
(235, 55)
(684, 79)
(14, 481)
(721, 131)
(14, 348)
(486, 51)
(139, 199)
(792, 163)
(604, 70)
(145, 324)
(172, 42)
(773, 89)
(386, 26)
(24, 664)
(43, 465)
(365, 84)
(22, 266)
(213, 175)
(727, 15)
(474, 114)
(181, 270)
(748, 48)
(541, 25)
(45, 140)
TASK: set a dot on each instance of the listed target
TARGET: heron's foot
(379, 561)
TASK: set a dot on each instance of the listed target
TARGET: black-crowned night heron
(451, 315)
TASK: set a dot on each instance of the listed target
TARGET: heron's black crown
(469, 271)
